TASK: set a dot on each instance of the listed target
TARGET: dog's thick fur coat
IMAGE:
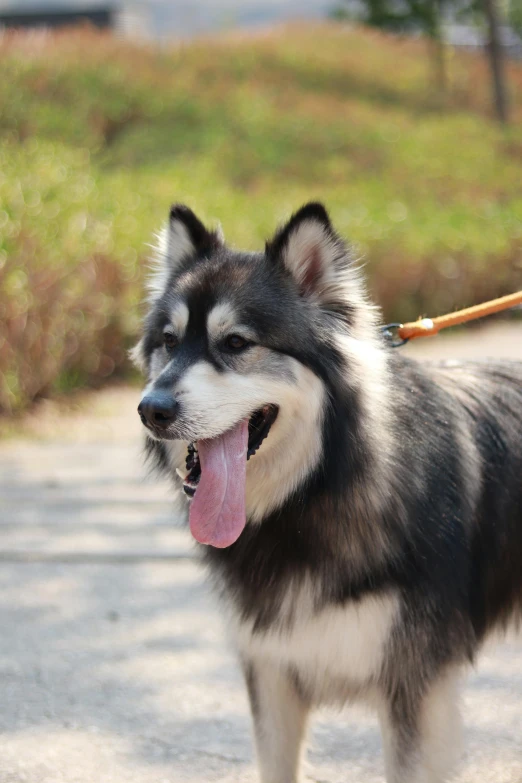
(383, 537)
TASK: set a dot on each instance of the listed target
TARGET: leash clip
(390, 332)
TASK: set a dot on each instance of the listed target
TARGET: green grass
(98, 137)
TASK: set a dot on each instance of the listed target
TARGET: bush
(98, 137)
(68, 297)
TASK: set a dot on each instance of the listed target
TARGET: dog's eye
(236, 343)
(170, 339)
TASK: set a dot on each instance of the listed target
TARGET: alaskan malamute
(361, 513)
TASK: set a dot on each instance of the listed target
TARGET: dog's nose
(158, 410)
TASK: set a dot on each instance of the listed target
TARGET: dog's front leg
(279, 714)
(421, 734)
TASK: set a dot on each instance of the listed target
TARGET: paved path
(113, 665)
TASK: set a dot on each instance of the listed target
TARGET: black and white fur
(384, 510)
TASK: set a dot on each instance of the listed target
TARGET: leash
(399, 334)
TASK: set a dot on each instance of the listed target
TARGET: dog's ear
(310, 250)
(186, 235)
(183, 238)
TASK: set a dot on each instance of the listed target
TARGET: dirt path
(113, 663)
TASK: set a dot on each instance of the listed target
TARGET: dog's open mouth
(216, 478)
(258, 428)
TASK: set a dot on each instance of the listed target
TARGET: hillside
(98, 137)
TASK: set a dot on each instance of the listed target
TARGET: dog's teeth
(180, 474)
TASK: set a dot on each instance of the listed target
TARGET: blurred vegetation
(98, 137)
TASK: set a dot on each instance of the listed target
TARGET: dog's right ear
(184, 237)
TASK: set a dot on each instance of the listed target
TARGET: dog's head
(238, 349)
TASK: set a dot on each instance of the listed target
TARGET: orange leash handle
(426, 327)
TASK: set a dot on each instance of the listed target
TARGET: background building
(160, 19)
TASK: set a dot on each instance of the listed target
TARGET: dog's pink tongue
(217, 513)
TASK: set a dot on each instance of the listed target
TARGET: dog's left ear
(310, 250)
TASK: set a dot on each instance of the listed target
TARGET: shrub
(98, 137)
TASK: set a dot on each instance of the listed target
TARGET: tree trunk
(496, 61)
(440, 61)
(434, 29)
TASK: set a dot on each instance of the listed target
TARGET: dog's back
(488, 396)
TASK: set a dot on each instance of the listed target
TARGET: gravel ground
(113, 663)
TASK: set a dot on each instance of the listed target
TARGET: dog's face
(235, 350)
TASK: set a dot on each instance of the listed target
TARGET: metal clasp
(390, 332)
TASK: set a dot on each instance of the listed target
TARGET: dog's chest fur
(334, 652)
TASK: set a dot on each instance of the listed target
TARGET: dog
(360, 513)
